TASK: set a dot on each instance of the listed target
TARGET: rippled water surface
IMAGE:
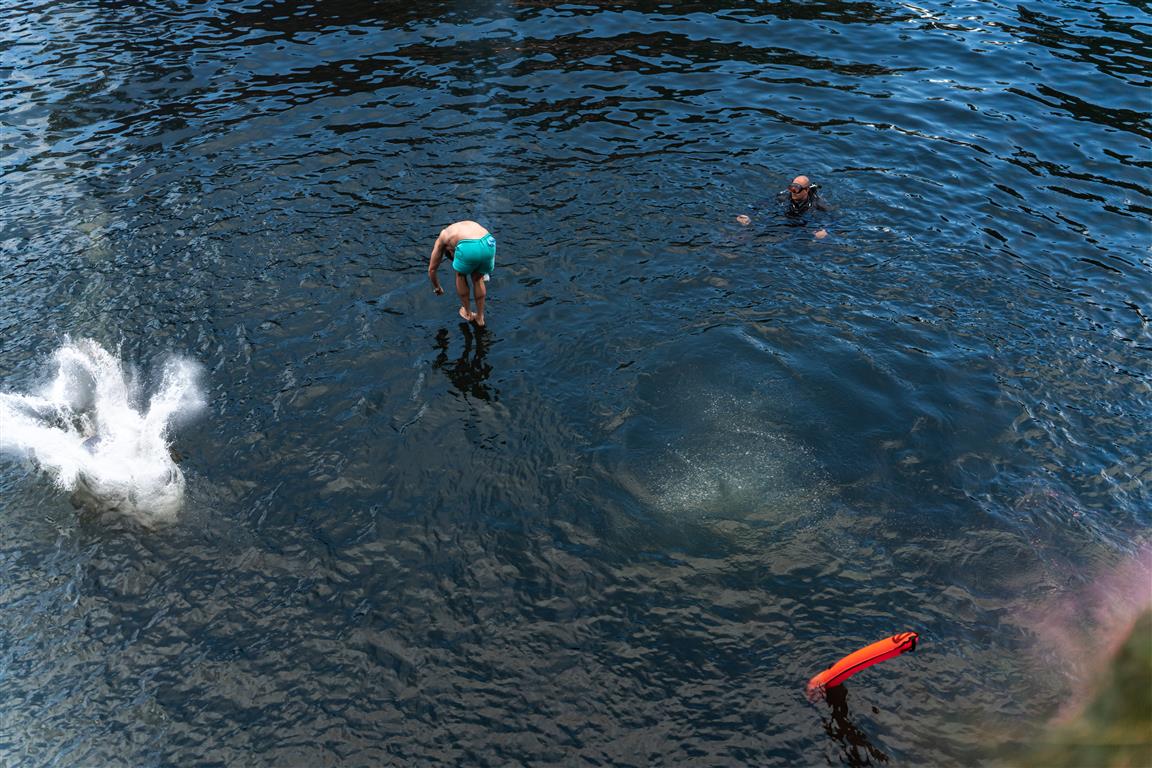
(688, 465)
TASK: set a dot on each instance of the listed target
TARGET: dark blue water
(689, 464)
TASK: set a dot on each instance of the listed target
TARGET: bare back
(461, 230)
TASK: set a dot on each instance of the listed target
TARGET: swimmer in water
(472, 250)
(802, 196)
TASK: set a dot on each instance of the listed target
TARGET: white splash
(87, 431)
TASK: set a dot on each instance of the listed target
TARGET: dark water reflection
(469, 372)
(689, 464)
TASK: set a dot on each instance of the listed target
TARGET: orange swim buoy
(862, 659)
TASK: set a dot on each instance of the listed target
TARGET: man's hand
(744, 220)
(438, 290)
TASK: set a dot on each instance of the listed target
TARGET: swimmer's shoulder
(464, 230)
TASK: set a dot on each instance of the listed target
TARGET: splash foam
(87, 431)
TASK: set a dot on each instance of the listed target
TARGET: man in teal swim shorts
(473, 252)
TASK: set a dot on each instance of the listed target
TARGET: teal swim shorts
(476, 255)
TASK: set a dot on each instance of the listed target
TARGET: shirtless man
(472, 250)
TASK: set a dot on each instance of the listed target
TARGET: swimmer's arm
(744, 219)
(434, 264)
(821, 205)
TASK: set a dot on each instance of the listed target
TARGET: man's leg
(462, 292)
(480, 289)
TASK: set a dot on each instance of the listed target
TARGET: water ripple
(691, 461)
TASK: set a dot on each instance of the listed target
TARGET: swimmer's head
(799, 187)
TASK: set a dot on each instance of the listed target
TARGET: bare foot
(744, 220)
(478, 319)
(466, 315)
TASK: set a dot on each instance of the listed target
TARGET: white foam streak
(87, 433)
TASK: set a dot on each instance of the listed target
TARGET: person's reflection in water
(858, 751)
(469, 372)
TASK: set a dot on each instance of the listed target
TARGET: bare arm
(434, 264)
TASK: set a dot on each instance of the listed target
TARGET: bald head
(798, 189)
